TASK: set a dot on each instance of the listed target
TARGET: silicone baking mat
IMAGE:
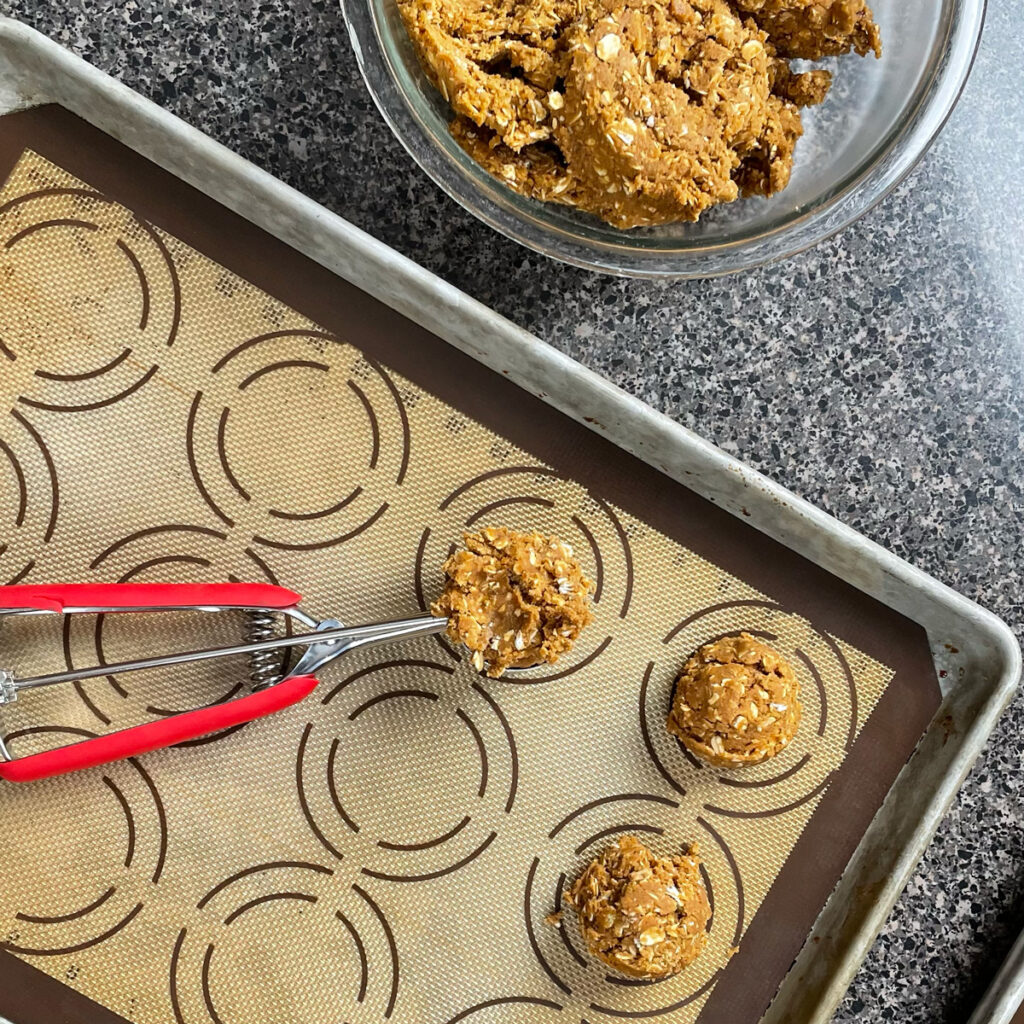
(184, 398)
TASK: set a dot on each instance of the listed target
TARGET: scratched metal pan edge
(1003, 1001)
(977, 654)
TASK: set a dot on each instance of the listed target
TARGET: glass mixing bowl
(877, 121)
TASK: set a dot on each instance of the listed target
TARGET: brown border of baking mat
(780, 927)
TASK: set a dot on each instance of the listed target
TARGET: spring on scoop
(265, 667)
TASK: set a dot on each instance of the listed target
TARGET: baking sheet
(190, 399)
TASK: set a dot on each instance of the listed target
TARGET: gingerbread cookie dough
(664, 104)
(641, 112)
(736, 702)
(812, 29)
(494, 61)
(642, 915)
(514, 599)
(538, 171)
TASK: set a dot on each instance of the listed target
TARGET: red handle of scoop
(165, 732)
(56, 597)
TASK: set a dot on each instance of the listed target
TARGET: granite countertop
(880, 375)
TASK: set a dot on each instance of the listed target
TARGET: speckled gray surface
(880, 375)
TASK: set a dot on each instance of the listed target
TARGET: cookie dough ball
(643, 915)
(514, 599)
(811, 29)
(736, 702)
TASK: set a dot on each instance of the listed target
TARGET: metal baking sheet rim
(1005, 995)
(977, 652)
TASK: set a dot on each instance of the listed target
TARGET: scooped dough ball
(736, 702)
(514, 599)
(640, 914)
